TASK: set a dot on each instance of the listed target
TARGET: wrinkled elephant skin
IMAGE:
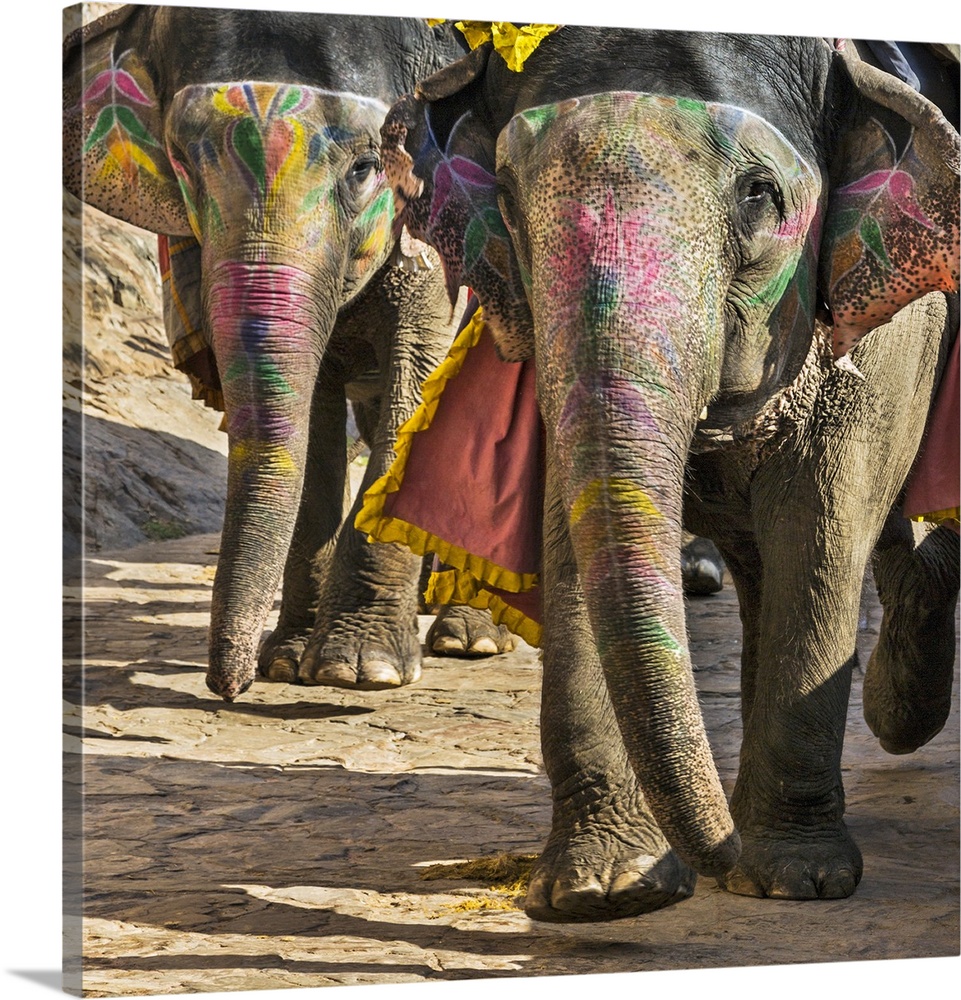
(660, 231)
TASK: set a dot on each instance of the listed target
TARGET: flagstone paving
(282, 840)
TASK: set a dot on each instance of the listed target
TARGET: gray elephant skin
(690, 234)
(251, 140)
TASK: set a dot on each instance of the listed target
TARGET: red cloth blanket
(473, 499)
(934, 489)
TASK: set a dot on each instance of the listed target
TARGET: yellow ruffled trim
(513, 44)
(451, 587)
(471, 571)
(950, 517)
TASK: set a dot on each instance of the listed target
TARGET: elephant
(249, 140)
(731, 264)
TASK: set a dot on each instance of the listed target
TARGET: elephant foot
(361, 662)
(782, 866)
(463, 631)
(907, 684)
(702, 568)
(593, 877)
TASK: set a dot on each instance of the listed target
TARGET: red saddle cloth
(473, 499)
(934, 489)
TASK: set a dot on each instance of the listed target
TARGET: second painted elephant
(251, 141)
(688, 236)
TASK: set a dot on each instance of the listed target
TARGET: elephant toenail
(331, 674)
(282, 669)
(447, 644)
(484, 646)
(375, 674)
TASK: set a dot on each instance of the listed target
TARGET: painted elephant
(686, 235)
(250, 140)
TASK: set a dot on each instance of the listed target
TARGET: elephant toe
(282, 669)
(280, 654)
(374, 673)
(379, 675)
(328, 674)
(447, 645)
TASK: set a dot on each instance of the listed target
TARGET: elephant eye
(362, 168)
(759, 200)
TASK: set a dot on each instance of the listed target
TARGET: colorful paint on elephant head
(626, 202)
(288, 160)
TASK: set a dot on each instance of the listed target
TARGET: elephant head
(257, 135)
(657, 229)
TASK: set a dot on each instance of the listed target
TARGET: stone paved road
(280, 841)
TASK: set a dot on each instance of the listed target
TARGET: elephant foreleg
(788, 802)
(907, 684)
(606, 856)
(366, 634)
(325, 500)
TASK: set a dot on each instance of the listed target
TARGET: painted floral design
(465, 184)
(119, 128)
(859, 220)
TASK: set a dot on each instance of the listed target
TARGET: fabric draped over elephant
(728, 265)
(249, 142)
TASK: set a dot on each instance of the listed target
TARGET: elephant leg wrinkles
(788, 801)
(814, 542)
(606, 857)
(325, 501)
(365, 635)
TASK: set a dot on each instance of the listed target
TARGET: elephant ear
(439, 155)
(113, 148)
(891, 230)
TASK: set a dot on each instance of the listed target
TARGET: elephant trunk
(264, 331)
(620, 400)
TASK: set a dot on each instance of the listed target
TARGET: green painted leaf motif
(494, 222)
(541, 116)
(250, 148)
(214, 222)
(775, 288)
(187, 195)
(313, 198)
(662, 636)
(291, 99)
(475, 238)
(383, 204)
(105, 122)
(844, 221)
(269, 376)
(236, 370)
(873, 239)
(134, 126)
(689, 104)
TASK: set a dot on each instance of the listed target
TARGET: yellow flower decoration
(514, 44)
